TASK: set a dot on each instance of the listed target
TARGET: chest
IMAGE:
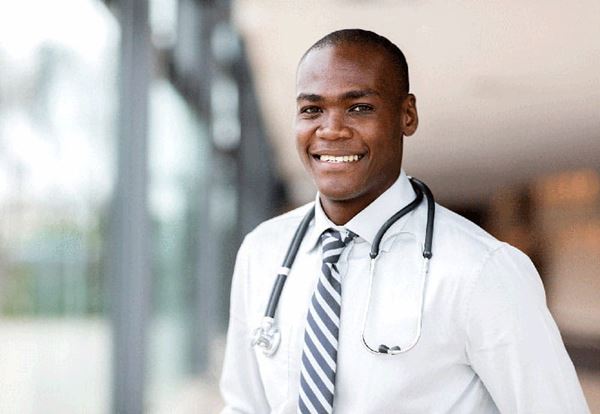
(398, 306)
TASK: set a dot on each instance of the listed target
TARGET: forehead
(338, 68)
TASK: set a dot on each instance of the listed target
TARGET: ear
(410, 117)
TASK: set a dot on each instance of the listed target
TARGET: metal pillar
(129, 246)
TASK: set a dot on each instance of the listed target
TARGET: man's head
(353, 110)
(372, 39)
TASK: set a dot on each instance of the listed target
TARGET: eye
(310, 110)
(361, 108)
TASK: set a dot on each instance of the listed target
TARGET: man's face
(350, 121)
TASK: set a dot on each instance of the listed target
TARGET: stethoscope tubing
(267, 335)
(288, 262)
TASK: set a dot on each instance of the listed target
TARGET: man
(487, 342)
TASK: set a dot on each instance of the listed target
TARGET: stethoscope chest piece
(267, 336)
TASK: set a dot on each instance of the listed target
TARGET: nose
(333, 126)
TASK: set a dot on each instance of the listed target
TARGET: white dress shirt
(488, 343)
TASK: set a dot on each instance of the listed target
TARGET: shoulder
(264, 248)
(277, 230)
(459, 236)
(466, 250)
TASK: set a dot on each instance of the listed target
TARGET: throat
(341, 212)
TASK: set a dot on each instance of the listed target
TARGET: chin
(335, 193)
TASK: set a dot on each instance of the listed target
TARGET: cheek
(387, 154)
(303, 135)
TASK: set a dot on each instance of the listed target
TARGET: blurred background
(140, 140)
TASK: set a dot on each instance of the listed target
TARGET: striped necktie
(319, 356)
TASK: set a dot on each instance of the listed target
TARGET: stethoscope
(267, 336)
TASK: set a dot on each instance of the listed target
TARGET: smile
(339, 159)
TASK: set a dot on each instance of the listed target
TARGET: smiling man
(471, 335)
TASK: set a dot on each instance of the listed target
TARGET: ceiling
(506, 91)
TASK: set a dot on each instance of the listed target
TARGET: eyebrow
(354, 94)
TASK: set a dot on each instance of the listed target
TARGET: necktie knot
(342, 235)
(333, 243)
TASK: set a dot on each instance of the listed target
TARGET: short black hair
(366, 37)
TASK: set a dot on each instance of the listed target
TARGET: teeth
(343, 158)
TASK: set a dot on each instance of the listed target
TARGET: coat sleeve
(513, 343)
(241, 387)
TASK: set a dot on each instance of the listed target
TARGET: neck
(339, 212)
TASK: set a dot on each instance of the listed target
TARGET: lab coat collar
(366, 223)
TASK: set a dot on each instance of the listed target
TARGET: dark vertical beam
(206, 265)
(192, 72)
(129, 259)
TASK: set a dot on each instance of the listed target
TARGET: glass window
(57, 107)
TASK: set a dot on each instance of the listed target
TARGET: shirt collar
(366, 223)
